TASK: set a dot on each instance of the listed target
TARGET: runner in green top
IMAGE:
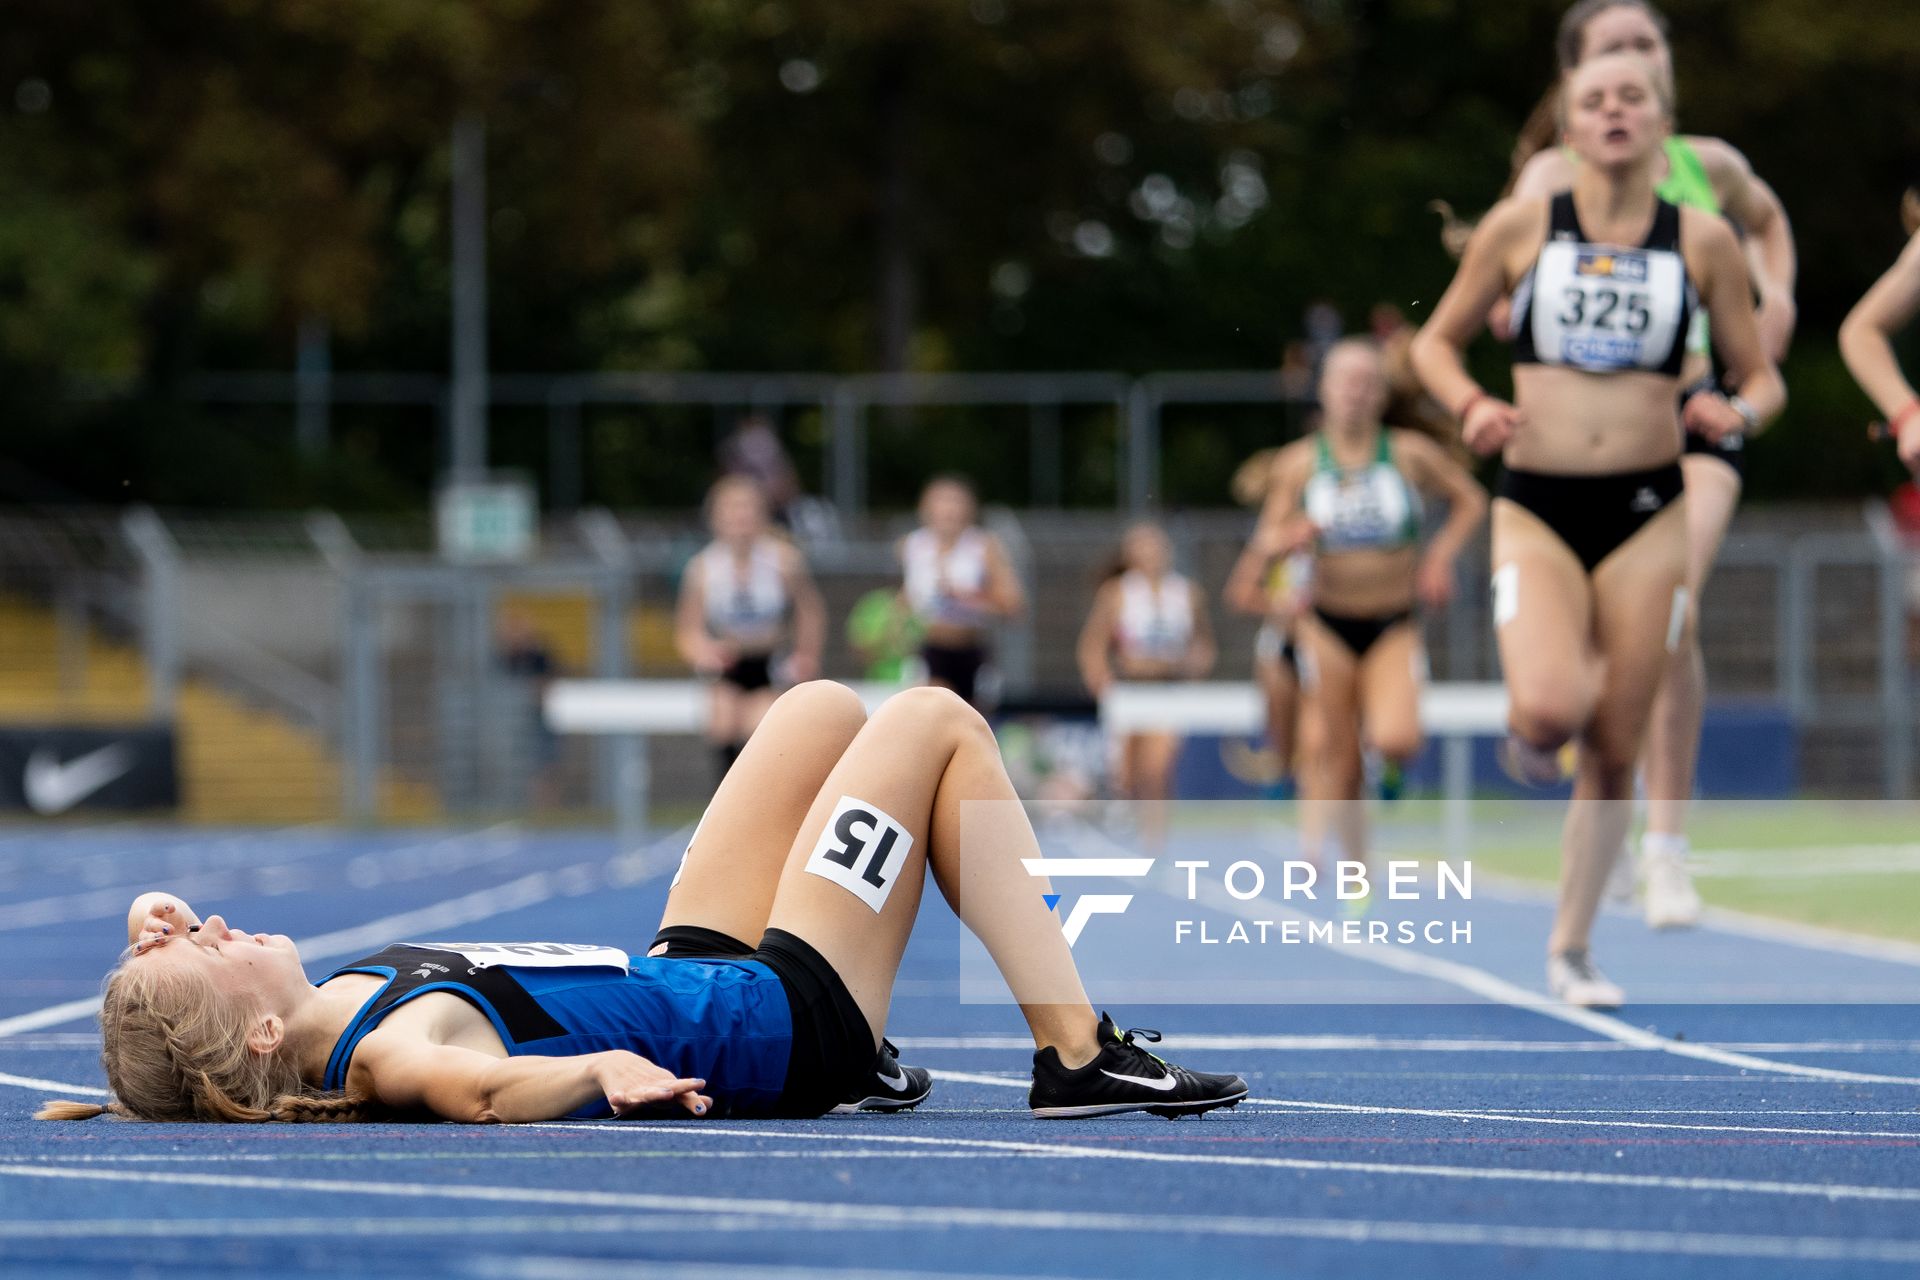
(1709, 174)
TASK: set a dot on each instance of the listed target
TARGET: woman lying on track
(815, 848)
(1589, 532)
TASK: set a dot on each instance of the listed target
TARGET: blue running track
(1773, 1132)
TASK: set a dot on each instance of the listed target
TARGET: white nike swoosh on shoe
(892, 1082)
(1162, 1083)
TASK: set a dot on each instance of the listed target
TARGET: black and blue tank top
(726, 1021)
(1605, 308)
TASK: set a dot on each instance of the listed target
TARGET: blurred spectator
(523, 656)
(753, 449)
(1387, 325)
(1296, 371)
(1324, 328)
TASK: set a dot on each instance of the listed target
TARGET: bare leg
(1309, 766)
(1282, 691)
(1633, 593)
(1151, 782)
(919, 760)
(1673, 738)
(1390, 679)
(734, 862)
(1543, 619)
(1336, 699)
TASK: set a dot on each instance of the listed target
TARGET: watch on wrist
(1749, 416)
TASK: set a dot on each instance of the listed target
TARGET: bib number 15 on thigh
(862, 851)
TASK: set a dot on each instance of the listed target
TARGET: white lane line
(1743, 924)
(32, 1082)
(1806, 862)
(974, 1077)
(465, 1154)
(837, 1213)
(1471, 1173)
(362, 1227)
(1341, 1230)
(1480, 982)
(967, 1077)
(568, 1267)
(1289, 1104)
(514, 895)
(1415, 1044)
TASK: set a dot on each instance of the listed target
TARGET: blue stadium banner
(54, 769)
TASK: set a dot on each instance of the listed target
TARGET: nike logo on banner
(1161, 1083)
(52, 787)
(892, 1082)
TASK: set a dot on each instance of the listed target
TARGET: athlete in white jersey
(736, 600)
(1352, 494)
(1147, 623)
(1589, 532)
(958, 582)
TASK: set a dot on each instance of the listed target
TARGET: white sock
(1662, 844)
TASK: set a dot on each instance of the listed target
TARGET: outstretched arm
(1866, 342)
(408, 1074)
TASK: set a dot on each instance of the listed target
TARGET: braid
(334, 1108)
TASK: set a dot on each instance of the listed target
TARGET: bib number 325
(861, 850)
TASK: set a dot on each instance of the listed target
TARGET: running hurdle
(630, 711)
(1454, 713)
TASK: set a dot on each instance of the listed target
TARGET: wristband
(1900, 419)
(1749, 415)
(1467, 408)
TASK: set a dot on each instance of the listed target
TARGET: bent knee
(827, 704)
(935, 706)
(1547, 720)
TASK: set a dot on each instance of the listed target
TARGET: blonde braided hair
(175, 1049)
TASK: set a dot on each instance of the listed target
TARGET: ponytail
(61, 1109)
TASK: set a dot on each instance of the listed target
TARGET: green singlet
(1687, 182)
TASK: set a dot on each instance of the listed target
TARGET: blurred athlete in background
(958, 582)
(1351, 494)
(1589, 533)
(1147, 623)
(741, 598)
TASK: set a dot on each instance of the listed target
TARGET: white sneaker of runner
(1672, 902)
(1571, 975)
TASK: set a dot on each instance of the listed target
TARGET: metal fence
(844, 404)
(359, 636)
